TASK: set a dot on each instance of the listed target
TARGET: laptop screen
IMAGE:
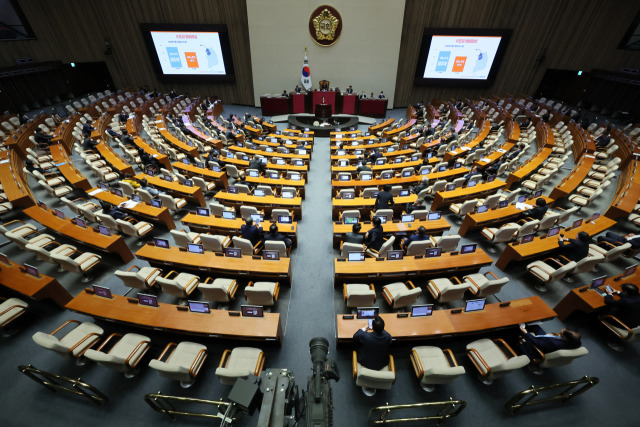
(228, 215)
(595, 216)
(483, 208)
(503, 203)
(367, 312)
(356, 256)
(232, 253)
(102, 291)
(422, 310)
(394, 255)
(271, 255)
(148, 300)
(474, 305)
(136, 198)
(252, 310)
(199, 307)
(195, 249)
(471, 184)
(468, 249)
(522, 199)
(202, 211)
(104, 230)
(284, 219)
(433, 252)
(442, 168)
(161, 243)
(408, 218)
(156, 203)
(434, 216)
(597, 282)
(117, 192)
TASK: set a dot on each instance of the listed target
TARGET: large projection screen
(460, 56)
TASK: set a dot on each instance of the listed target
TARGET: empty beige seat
(447, 243)
(353, 213)
(143, 278)
(171, 203)
(184, 238)
(345, 248)
(214, 242)
(485, 284)
(622, 332)
(445, 290)
(262, 293)
(219, 290)
(183, 362)
(74, 343)
(550, 270)
(432, 366)
(359, 294)
(24, 233)
(239, 363)
(418, 247)
(82, 264)
(10, 310)
(134, 228)
(506, 233)
(371, 380)
(609, 251)
(245, 246)
(247, 211)
(386, 213)
(493, 361)
(124, 355)
(399, 295)
(179, 285)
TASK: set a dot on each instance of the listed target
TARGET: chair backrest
(168, 202)
(386, 246)
(418, 247)
(548, 221)
(127, 188)
(212, 242)
(352, 213)
(492, 201)
(406, 297)
(562, 357)
(246, 211)
(527, 228)
(505, 233)
(438, 186)
(449, 243)
(511, 196)
(180, 238)
(467, 206)
(345, 191)
(131, 279)
(216, 209)
(369, 191)
(492, 287)
(350, 247)
(387, 213)
(588, 263)
(72, 206)
(244, 245)
(267, 189)
(259, 296)
(107, 220)
(562, 271)
(127, 228)
(276, 245)
(564, 216)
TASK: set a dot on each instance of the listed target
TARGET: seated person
(374, 238)
(298, 89)
(384, 199)
(144, 185)
(126, 138)
(113, 133)
(89, 144)
(547, 343)
(113, 211)
(41, 138)
(122, 117)
(614, 238)
(31, 167)
(373, 347)
(87, 128)
(537, 212)
(274, 235)
(365, 166)
(493, 169)
(474, 171)
(419, 235)
(603, 139)
(363, 95)
(575, 249)
(354, 236)
(250, 232)
(381, 96)
(243, 180)
(415, 206)
(627, 307)
(284, 93)
(349, 90)
(424, 184)
(255, 163)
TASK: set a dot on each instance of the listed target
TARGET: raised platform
(337, 121)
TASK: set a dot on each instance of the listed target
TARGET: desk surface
(445, 198)
(67, 168)
(140, 210)
(220, 178)
(217, 324)
(192, 193)
(443, 323)
(114, 159)
(36, 288)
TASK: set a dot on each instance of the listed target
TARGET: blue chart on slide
(193, 53)
(481, 62)
(174, 57)
(461, 57)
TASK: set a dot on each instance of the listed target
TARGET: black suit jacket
(536, 213)
(627, 309)
(384, 199)
(575, 250)
(251, 233)
(373, 349)
(376, 238)
(279, 237)
(546, 345)
(352, 237)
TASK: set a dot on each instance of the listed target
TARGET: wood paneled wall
(570, 34)
(76, 31)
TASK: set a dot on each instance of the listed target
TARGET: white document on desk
(523, 206)
(129, 204)
(96, 191)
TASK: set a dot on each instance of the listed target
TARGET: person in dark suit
(547, 343)
(419, 235)
(255, 163)
(375, 155)
(473, 171)
(366, 166)
(415, 206)
(41, 138)
(374, 238)
(87, 128)
(89, 144)
(298, 89)
(613, 238)
(355, 236)
(384, 199)
(363, 95)
(537, 212)
(575, 249)
(122, 117)
(274, 235)
(373, 347)
(493, 169)
(284, 93)
(424, 184)
(250, 232)
(627, 307)
(112, 210)
(349, 90)
(381, 96)
(126, 138)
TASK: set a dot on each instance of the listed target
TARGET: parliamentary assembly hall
(298, 213)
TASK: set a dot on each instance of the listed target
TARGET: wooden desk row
(569, 184)
(254, 152)
(167, 318)
(14, 180)
(485, 128)
(210, 263)
(244, 164)
(627, 191)
(162, 158)
(219, 178)
(446, 265)
(377, 128)
(266, 203)
(365, 206)
(397, 229)
(193, 194)
(37, 288)
(379, 168)
(443, 199)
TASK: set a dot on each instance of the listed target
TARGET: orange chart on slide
(458, 64)
(192, 59)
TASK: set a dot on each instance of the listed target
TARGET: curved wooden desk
(379, 127)
(267, 203)
(193, 194)
(219, 178)
(408, 267)
(278, 183)
(443, 199)
(209, 263)
(167, 318)
(162, 158)
(444, 324)
(14, 180)
(116, 162)
(13, 277)
(67, 168)
(269, 154)
(575, 178)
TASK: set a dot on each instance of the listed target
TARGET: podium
(329, 99)
(349, 103)
(323, 111)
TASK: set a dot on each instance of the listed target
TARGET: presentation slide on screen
(461, 57)
(190, 53)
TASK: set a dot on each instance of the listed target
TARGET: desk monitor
(200, 165)
(185, 161)
(298, 162)
(258, 192)
(102, 291)
(263, 160)
(216, 168)
(345, 177)
(148, 300)
(199, 307)
(474, 305)
(295, 177)
(339, 130)
(232, 253)
(356, 256)
(429, 154)
(287, 194)
(104, 230)
(433, 252)
(351, 220)
(195, 248)
(425, 171)
(421, 310)
(252, 310)
(450, 187)
(597, 282)
(366, 177)
(554, 231)
(383, 219)
(302, 151)
(629, 271)
(380, 162)
(202, 211)
(59, 213)
(228, 215)
(387, 175)
(468, 249)
(233, 190)
(101, 186)
(367, 134)
(483, 208)
(257, 218)
(367, 312)
(254, 173)
(503, 204)
(231, 155)
(433, 216)
(407, 174)
(280, 162)
(491, 178)
(537, 194)
(528, 238)
(118, 192)
(457, 164)
(415, 157)
(577, 223)
(408, 218)
(188, 183)
(269, 150)
(348, 196)
(522, 199)
(161, 243)
(4, 259)
(357, 152)
(150, 172)
(394, 255)
(595, 216)
(471, 184)
(80, 222)
(274, 175)
(33, 271)
(156, 203)
(271, 255)
(442, 168)
(285, 219)
(136, 198)
(398, 160)
(403, 193)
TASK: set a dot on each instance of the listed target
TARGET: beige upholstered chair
(10, 310)
(399, 295)
(183, 238)
(245, 246)
(609, 251)
(262, 293)
(445, 290)
(183, 362)
(555, 358)
(447, 243)
(52, 248)
(485, 284)
(359, 294)
(345, 248)
(247, 211)
(386, 213)
(506, 233)
(622, 332)
(23, 234)
(371, 380)
(124, 355)
(386, 247)
(171, 203)
(214, 242)
(179, 285)
(492, 361)
(219, 290)
(418, 247)
(432, 366)
(462, 209)
(277, 245)
(134, 228)
(239, 363)
(353, 213)
(74, 343)
(81, 264)
(143, 278)
(550, 270)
